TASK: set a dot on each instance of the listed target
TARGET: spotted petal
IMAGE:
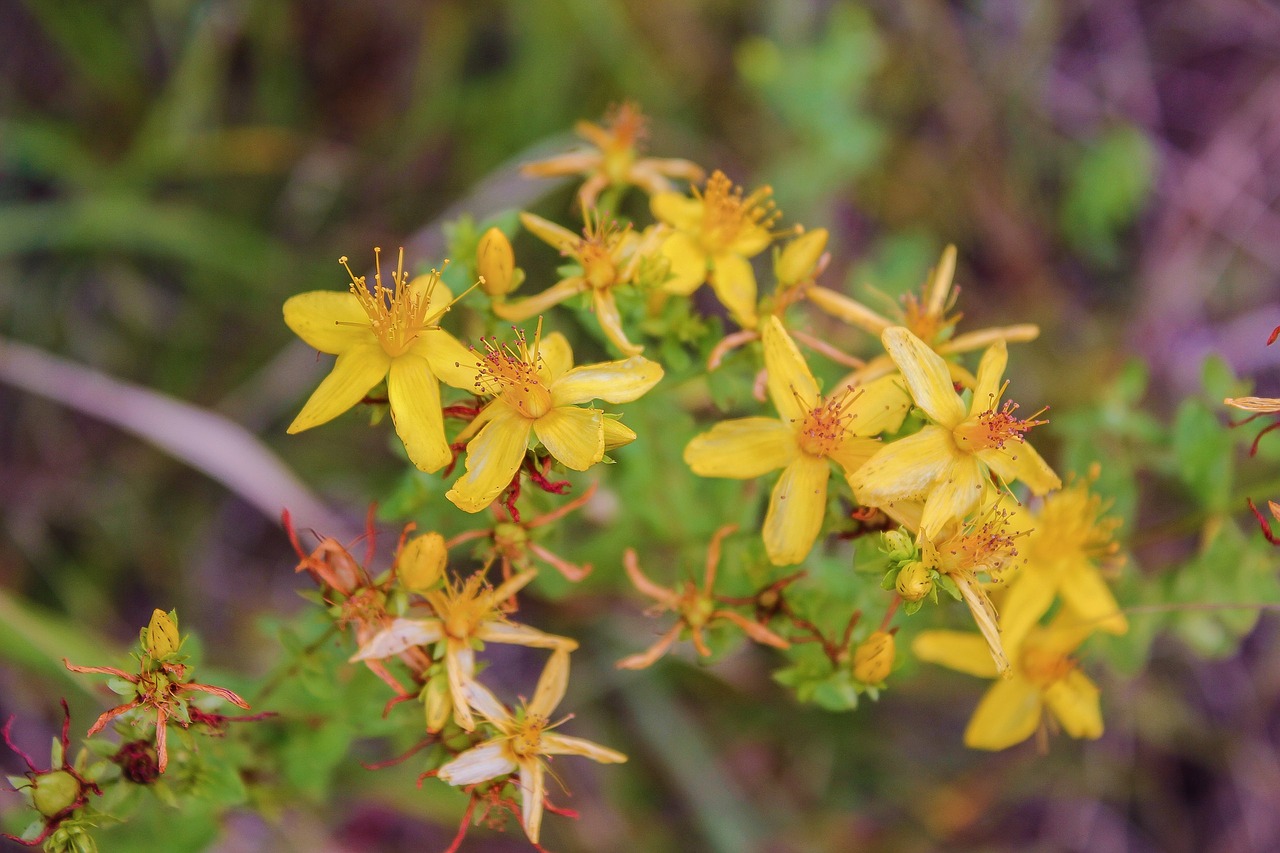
(478, 764)
(493, 457)
(796, 510)
(743, 448)
(612, 381)
(554, 743)
(926, 375)
(400, 635)
(575, 437)
(450, 361)
(792, 388)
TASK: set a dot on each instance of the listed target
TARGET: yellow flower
(610, 257)
(812, 432)
(536, 391)
(1043, 675)
(465, 614)
(946, 463)
(1068, 539)
(613, 160)
(523, 741)
(716, 232)
(928, 317)
(964, 553)
(390, 333)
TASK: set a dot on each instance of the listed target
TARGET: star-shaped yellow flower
(535, 391)
(523, 742)
(716, 232)
(613, 159)
(928, 317)
(946, 463)
(464, 615)
(813, 432)
(390, 333)
(1068, 538)
(1043, 675)
(609, 256)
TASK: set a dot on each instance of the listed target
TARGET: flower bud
(162, 639)
(496, 263)
(873, 658)
(915, 581)
(54, 792)
(800, 257)
(897, 544)
(422, 562)
(437, 702)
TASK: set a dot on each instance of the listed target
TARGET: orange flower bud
(422, 562)
(800, 257)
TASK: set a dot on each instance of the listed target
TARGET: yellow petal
(956, 493)
(741, 449)
(354, 373)
(677, 210)
(493, 457)
(611, 321)
(532, 782)
(522, 309)
(688, 264)
(414, 395)
(554, 743)
(1087, 595)
(451, 362)
(986, 394)
(843, 308)
(551, 685)
(611, 381)
(437, 294)
(962, 651)
(555, 356)
(617, 434)
(479, 764)
(751, 241)
(1018, 461)
(906, 469)
(853, 452)
(1028, 598)
(735, 285)
(796, 510)
(882, 406)
(550, 233)
(573, 436)
(792, 388)
(328, 320)
(1008, 714)
(1074, 701)
(927, 376)
(939, 286)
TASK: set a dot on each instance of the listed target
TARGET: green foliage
(1106, 191)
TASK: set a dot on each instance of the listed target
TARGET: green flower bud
(54, 792)
(898, 545)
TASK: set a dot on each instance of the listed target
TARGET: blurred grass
(171, 171)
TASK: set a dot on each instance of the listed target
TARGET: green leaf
(1203, 455)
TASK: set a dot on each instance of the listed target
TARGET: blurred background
(171, 171)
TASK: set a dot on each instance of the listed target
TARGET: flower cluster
(929, 451)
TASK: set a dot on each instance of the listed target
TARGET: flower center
(528, 738)
(462, 609)
(511, 374)
(727, 215)
(995, 427)
(625, 128)
(822, 430)
(597, 252)
(398, 313)
(982, 545)
(1043, 667)
(1071, 526)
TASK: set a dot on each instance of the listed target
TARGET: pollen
(510, 373)
(527, 739)
(727, 215)
(995, 427)
(823, 429)
(397, 313)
